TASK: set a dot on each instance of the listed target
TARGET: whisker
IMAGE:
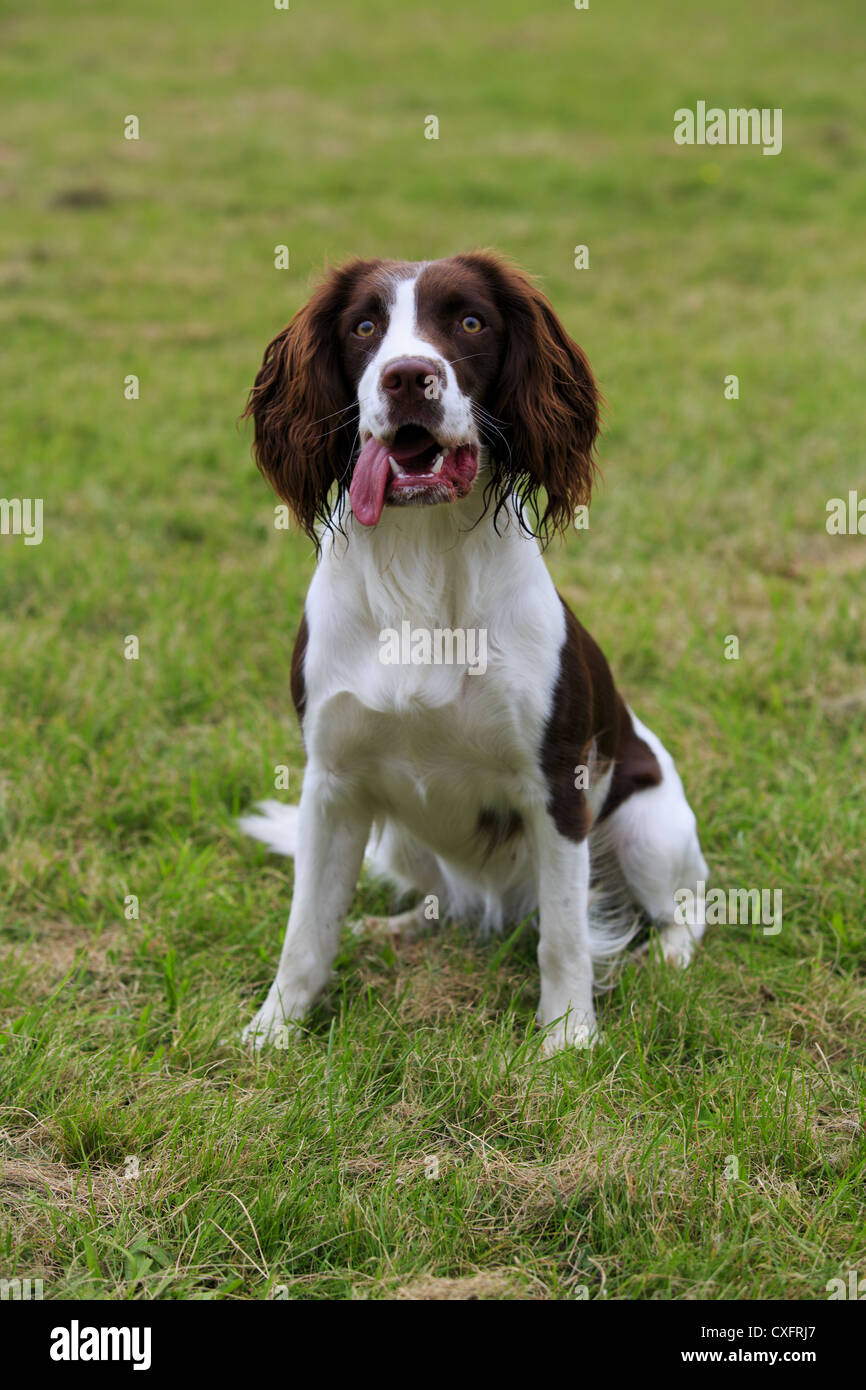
(350, 460)
(452, 360)
(343, 424)
(353, 405)
(489, 425)
(494, 419)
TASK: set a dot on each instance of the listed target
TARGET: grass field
(145, 1153)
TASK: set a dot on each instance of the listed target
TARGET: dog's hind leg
(653, 834)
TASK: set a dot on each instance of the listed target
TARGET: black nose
(412, 379)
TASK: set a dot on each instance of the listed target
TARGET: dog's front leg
(566, 1006)
(332, 837)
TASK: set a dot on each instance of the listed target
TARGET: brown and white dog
(427, 423)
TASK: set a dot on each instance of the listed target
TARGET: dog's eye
(471, 324)
(365, 329)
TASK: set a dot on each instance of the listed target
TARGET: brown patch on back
(586, 714)
(297, 684)
(589, 725)
(636, 769)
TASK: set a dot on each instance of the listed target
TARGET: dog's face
(392, 378)
(422, 344)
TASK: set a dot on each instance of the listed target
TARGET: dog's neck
(435, 566)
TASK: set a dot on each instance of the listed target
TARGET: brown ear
(546, 396)
(302, 408)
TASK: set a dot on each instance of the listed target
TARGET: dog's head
(394, 375)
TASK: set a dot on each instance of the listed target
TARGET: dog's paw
(277, 1035)
(270, 1027)
(673, 944)
(405, 926)
(676, 943)
(574, 1030)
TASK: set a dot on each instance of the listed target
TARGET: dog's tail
(615, 919)
(276, 826)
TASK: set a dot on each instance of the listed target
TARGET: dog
(431, 426)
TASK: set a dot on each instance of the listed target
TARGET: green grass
(118, 1038)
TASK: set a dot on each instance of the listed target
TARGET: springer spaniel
(426, 424)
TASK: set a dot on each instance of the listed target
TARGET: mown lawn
(312, 1172)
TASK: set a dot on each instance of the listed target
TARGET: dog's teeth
(437, 467)
(394, 466)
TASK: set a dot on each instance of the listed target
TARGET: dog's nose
(412, 379)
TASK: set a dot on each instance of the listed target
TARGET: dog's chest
(437, 748)
(430, 701)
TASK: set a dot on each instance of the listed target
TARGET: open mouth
(413, 468)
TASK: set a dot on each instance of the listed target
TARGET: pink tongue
(369, 480)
